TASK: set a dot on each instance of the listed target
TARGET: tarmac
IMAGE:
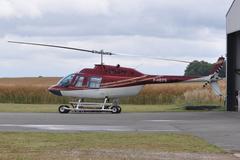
(219, 128)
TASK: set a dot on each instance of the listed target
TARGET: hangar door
(233, 55)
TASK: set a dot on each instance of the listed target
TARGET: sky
(185, 30)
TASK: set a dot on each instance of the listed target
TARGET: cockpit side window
(65, 82)
(79, 81)
(94, 82)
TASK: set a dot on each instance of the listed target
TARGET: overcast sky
(185, 30)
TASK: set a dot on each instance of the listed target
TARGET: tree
(198, 68)
(202, 68)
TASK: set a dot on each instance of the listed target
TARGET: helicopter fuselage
(110, 81)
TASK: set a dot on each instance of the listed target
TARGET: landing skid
(91, 107)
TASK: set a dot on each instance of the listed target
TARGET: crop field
(34, 91)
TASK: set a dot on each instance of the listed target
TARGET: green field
(44, 108)
(6, 107)
(97, 145)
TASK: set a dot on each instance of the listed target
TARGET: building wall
(233, 79)
(233, 21)
(233, 55)
(237, 69)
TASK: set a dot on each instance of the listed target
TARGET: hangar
(233, 55)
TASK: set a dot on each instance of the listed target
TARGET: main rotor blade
(63, 47)
(97, 52)
(156, 58)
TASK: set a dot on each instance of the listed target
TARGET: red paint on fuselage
(117, 76)
(108, 70)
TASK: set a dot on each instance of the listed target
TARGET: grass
(40, 108)
(6, 107)
(151, 108)
(46, 108)
(88, 145)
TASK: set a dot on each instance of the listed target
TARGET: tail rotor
(214, 76)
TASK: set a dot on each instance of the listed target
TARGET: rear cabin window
(79, 81)
(94, 82)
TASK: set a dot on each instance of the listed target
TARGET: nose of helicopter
(55, 91)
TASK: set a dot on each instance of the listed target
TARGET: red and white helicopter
(112, 82)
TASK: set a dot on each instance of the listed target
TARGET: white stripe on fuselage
(104, 92)
(201, 79)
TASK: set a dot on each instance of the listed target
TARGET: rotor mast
(101, 52)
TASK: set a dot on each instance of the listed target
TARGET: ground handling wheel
(63, 109)
(119, 109)
(116, 109)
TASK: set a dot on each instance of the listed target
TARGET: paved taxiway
(220, 128)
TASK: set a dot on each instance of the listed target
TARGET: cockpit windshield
(64, 82)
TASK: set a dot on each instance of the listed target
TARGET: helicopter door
(78, 81)
(94, 82)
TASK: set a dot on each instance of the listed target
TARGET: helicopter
(110, 82)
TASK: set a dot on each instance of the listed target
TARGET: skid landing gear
(80, 106)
